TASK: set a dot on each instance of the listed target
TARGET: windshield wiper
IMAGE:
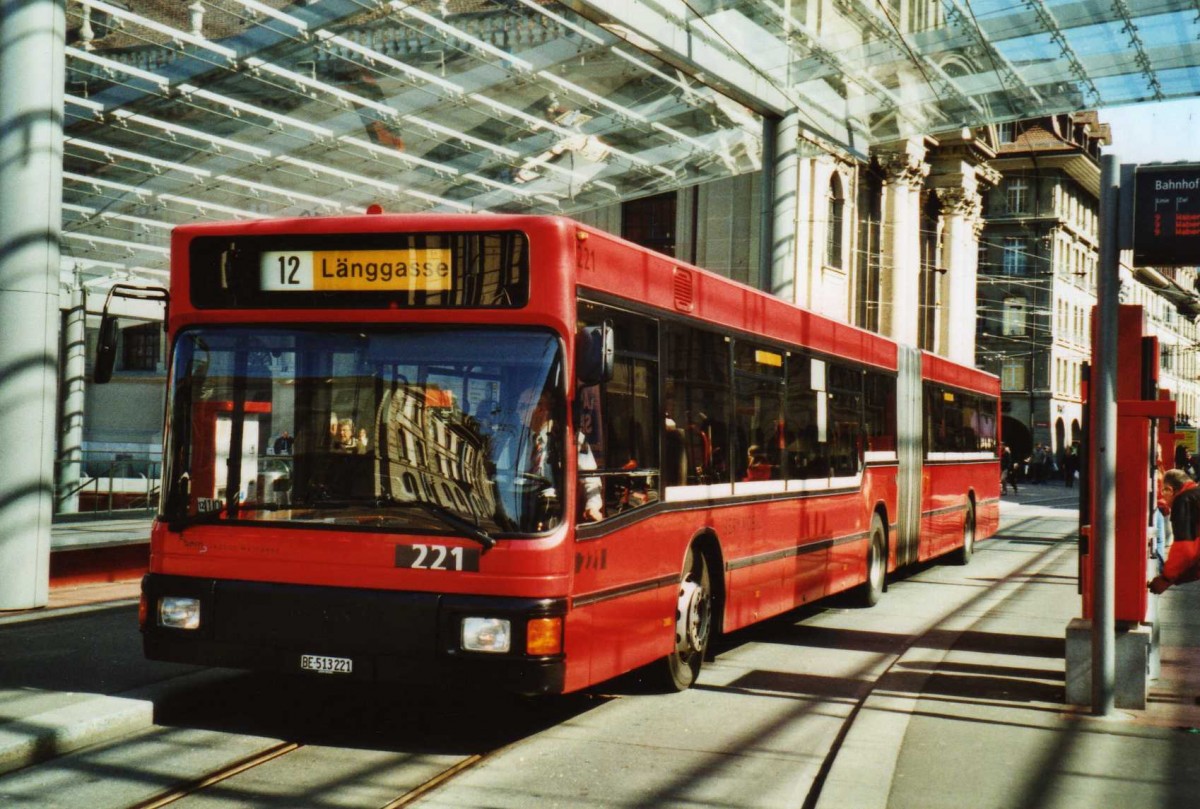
(331, 503)
(473, 531)
(453, 520)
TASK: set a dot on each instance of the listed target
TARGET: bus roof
(640, 275)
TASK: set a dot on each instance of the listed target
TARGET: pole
(766, 232)
(1104, 394)
(785, 165)
(32, 64)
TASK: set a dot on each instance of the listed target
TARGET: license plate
(326, 665)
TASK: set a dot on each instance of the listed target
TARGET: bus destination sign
(407, 270)
(1166, 215)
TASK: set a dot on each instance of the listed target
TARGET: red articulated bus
(527, 452)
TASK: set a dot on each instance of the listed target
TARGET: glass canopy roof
(238, 109)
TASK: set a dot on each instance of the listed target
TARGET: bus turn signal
(543, 636)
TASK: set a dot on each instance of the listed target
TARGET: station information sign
(1166, 215)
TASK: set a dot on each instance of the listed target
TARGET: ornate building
(1038, 260)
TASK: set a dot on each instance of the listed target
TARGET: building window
(1015, 257)
(1016, 195)
(833, 239)
(650, 222)
(141, 347)
(1006, 132)
(1014, 317)
(1012, 375)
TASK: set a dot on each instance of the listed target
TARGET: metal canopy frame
(240, 109)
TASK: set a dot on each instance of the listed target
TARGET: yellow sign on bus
(414, 270)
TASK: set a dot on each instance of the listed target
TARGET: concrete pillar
(686, 248)
(785, 166)
(961, 209)
(900, 273)
(807, 264)
(31, 119)
(71, 435)
(766, 206)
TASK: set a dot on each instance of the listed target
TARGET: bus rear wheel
(693, 624)
(963, 555)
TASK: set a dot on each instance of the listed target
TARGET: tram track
(1019, 579)
(177, 793)
(435, 782)
(275, 752)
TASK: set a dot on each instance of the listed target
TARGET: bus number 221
(437, 557)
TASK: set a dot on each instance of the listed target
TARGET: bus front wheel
(872, 588)
(693, 623)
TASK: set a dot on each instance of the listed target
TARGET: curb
(90, 719)
(62, 730)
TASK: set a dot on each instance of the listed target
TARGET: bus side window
(697, 386)
(675, 462)
(758, 381)
(879, 411)
(619, 420)
(807, 449)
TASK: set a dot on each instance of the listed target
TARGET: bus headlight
(178, 612)
(486, 634)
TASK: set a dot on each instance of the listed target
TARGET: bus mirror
(106, 350)
(594, 354)
(106, 346)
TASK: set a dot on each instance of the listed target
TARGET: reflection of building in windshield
(428, 453)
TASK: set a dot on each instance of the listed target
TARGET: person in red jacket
(1182, 495)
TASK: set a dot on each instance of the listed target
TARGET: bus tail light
(178, 612)
(143, 612)
(486, 634)
(543, 636)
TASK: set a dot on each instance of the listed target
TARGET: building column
(900, 271)
(74, 365)
(31, 120)
(785, 165)
(961, 211)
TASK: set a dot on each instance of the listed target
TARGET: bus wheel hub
(690, 618)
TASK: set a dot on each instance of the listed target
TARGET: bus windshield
(428, 430)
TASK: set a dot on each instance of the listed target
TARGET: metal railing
(111, 487)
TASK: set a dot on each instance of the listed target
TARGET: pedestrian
(1007, 470)
(1162, 539)
(1182, 496)
(1037, 463)
(283, 444)
(1071, 466)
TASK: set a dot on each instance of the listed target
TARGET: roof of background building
(265, 108)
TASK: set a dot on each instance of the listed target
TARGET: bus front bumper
(380, 635)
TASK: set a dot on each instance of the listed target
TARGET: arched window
(833, 239)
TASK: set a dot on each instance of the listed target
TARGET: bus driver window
(617, 421)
